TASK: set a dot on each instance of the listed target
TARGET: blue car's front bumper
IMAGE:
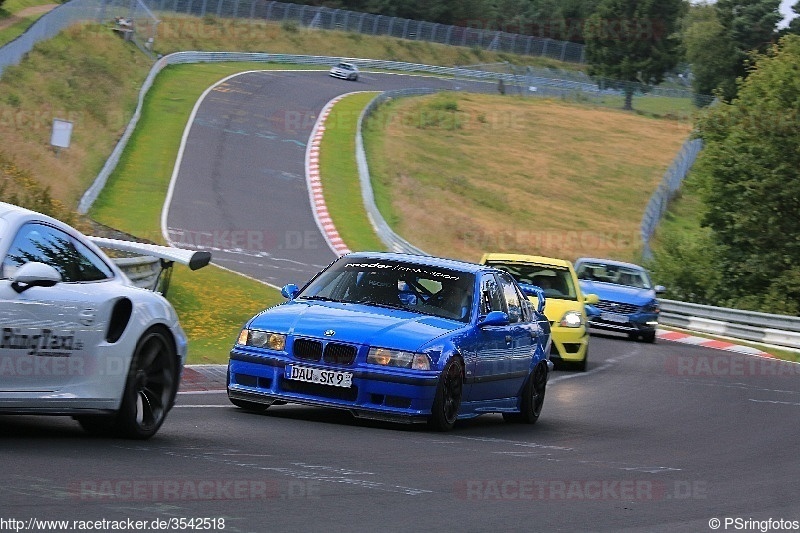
(636, 323)
(386, 394)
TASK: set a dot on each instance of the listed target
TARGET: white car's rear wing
(191, 258)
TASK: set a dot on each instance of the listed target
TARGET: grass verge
(339, 174)
(16, 16)
(462, 174)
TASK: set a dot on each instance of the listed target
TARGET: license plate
(334, 378)
(614, 317)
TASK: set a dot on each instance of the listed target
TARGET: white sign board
(62, 131)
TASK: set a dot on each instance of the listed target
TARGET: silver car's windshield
(395, 284)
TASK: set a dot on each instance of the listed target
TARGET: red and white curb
(685, 338)
(320, 210)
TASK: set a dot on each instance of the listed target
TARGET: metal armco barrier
(670, 183)
(778, 330)
(392, 240)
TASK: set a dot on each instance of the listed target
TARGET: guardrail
(778, 330)
(392, 240)
(659, 201)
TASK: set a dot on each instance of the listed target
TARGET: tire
(447, 401)
(532, 398)
(649, 337)
(150, 388)
(580, 366)
(250, 406)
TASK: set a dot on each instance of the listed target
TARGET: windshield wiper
(379, 304)
(320, 298)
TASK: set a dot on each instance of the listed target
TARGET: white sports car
(76, 336)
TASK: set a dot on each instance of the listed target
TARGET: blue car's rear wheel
(447, 401)
(532, 398)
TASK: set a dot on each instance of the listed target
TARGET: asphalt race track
(241, 190)
(653, 437)
(657, 437)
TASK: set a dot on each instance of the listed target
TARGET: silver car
(345, 71)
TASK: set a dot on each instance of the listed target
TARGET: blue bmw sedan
(401, 338)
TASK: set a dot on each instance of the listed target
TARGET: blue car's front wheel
(447, 401)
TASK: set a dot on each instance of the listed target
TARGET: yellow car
(565, 304)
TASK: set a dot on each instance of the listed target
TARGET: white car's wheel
(150, 390)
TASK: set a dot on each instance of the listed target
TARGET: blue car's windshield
(617, 274)
(419, 288)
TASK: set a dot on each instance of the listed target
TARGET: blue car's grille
(340, 354)
(332, 352)
(616, 307)
(307, 349)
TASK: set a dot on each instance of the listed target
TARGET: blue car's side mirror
(592, 311)
(494, 318)
(290, 291)
(533, 290)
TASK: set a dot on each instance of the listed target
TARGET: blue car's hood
(355, 323)
(618, 293)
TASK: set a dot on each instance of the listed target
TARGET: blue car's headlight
(652, 307)
(262, 339)
(398, 358)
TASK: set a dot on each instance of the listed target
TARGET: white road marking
(773, 401)
(605, 366)
(207, 405)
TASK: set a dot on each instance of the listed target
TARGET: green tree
(633, 43)
(710, 50)
(750, 25)
(750, 168)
